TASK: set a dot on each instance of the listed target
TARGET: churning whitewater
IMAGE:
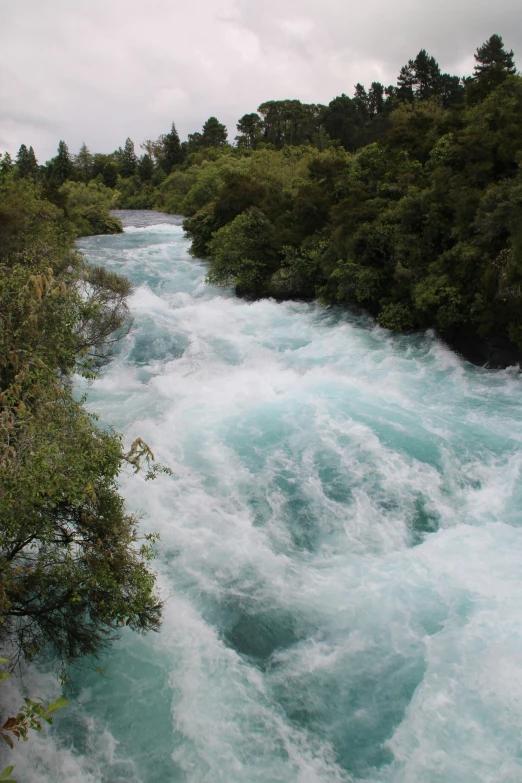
(340, 555)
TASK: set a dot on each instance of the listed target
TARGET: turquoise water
(341, 547)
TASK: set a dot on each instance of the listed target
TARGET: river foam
(341, 547)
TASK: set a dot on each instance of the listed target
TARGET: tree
(83, 163)
(26, 163)
(214, 134)
(290, 122)
(427, 76)
(452, 90)
(129, 161)
(172, 153)
(154, 148)
(243, 252)
(493, 64)
(341, 121)
(110, 174)
(250, 130)
(375, 99)
(194, 142)
(360, 100)
(61, 165)
(99, 160)
(6, 163)
(405, 82)
(419, 78)
(145, 168)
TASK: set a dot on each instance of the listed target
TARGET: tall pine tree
(172, 152)
(62, 166)
(493, 64)
(129, 161)
(83, 163)
(26, 163)
(420, 78)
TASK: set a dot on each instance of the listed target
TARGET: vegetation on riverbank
(406, 199)
(72, 567)
(423, 226)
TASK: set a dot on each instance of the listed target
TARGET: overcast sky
(101, 70)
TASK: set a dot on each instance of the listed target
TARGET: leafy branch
(30, 716)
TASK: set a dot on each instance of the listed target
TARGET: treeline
(405, 199)
(351, 122)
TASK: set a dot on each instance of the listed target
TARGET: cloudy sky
(101, 70)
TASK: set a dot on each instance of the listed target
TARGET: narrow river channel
(340, 554)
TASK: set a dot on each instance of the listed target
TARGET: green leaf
(5, 774)
(58, 704)
(5, 660)
(4, 676)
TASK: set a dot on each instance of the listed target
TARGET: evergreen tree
(419, 78)
(172, 153)
(99, 160)
(427, 76)
(33, 163)
(110, 174)
(83, 163)
(405, 82)
(391, 93)
(62, 166)
(452, 90)
(375, 99)
(129, 161)
(26, 163)
(6, 164)
(342, 122)
(214, 133)
(493, 65)
(145, 168)
(360, 99)
(249, 127)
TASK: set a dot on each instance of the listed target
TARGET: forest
(403, 199)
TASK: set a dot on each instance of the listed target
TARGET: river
(340, 554)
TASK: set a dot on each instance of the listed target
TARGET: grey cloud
(98, 71)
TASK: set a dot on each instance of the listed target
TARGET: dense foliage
(72, 570)
(423, 226)
(405, 199)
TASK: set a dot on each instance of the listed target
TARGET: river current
(340, 553)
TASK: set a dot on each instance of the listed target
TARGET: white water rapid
(341, 548)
